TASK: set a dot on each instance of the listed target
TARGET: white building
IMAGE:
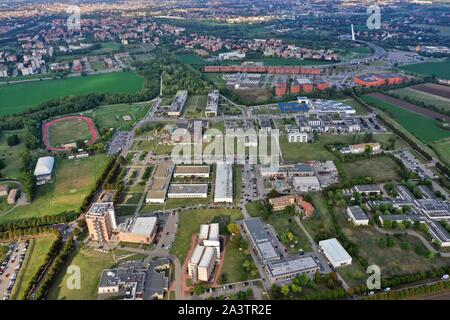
(224, 183)
(335, 253)
(357, 216)
(209, 237)
(206, 265)
(44, 169)
(294, 135)
(192, 171)
(234, 55)
(188, 191)
(306, 184)
(178, 103)
(212, 104)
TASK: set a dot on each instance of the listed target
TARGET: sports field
(120, 116)
(74, 179)
(438, 69)
(23, 96)
(68, 131)
(423, 128)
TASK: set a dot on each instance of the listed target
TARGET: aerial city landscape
(225, 150)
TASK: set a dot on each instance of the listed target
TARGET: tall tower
(161, 86)
(353, 33)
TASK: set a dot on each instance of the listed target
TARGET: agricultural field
(11, 155)
(116, 116)
(442, 148)
(190, 222)
(441, 103)
(426, 129)
(437, 69)
(14, 101)
(68, 131)
(74, 179)
(382, 169)
(34, 258)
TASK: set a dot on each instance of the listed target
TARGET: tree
(285, 290)
(295, 288)
(233, 228)
(13, 140)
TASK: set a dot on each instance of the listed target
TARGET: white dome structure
(44, 166)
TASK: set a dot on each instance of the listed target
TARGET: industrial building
(134, 280)
(262, 69)
(138, 230)
(212, 104)
(188, 191)
(294, 135)
(357, 215)
(192, 171)
(176, 108)
(439, 233)
(288, 269)
(306, 184)
(326, 123)
(335, 253)
(101, 221)
(223, 191)
(44, 170)
(377, 80)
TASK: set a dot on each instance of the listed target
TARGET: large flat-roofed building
(377, 80)
(133, 280)
(335, 253)
(194, 261)
(368, 188)
(207, 263)
(357, 215)
(209, 237)
(44, 170)
(192, 171)
(212, 104)
(261, 239)
(439, 233)
(306, 184)
(188, 191)
(433, 208)
(286, 270)
(294, 135)
(223, 191)
(176, 108)
(160, 184)
(138, 230)
(101, 221)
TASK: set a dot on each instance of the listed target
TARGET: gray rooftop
(358, 213)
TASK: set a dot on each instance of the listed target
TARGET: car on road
(387, 289)
(445, 277)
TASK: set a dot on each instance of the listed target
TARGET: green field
(112, 116)
(438, 69)
(91, 264)
(195, 106)
(423, 128)
(232, 266)
(382, 169)
(11, 155)
(34, 258)
(441, 103)
(3, 251)
(23, 96)
(74, 180)
(68, 131)
(190, 222)
(442, 148)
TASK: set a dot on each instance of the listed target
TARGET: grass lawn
(190, 222)
(131, 198)
(192, 59)
(11, 155)
(74, 179)
(438, 69)
(429, 99)
(237, 179)
(112, 116)
(252, 208)
(68, 131)
(442, 148)
(382, 169)
(320, 226)
(13, 100)
(195, 106)
(34, 258)
(280, 221)
(3, 251)
(91, 264)
(122, 211)
(173, 203)
(232, 266)
(423, 128)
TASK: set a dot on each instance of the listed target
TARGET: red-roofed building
(307, 207)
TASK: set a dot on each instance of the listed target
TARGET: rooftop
(292, 265)
(188, 188)
(334, 249)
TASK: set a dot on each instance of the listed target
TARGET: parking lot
(11, 266)
(411, 162)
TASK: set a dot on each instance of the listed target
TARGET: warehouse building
(192, 171)
(212, 104)
(288, 269)
(44, 170)
(101, 221)
(179, 191)
(223, 191)
(138, 230)
(335, 253)
(357, 215)
(306, 184)
(176, 108)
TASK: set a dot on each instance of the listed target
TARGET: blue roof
(291, 107)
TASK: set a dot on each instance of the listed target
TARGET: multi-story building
(101, 221)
